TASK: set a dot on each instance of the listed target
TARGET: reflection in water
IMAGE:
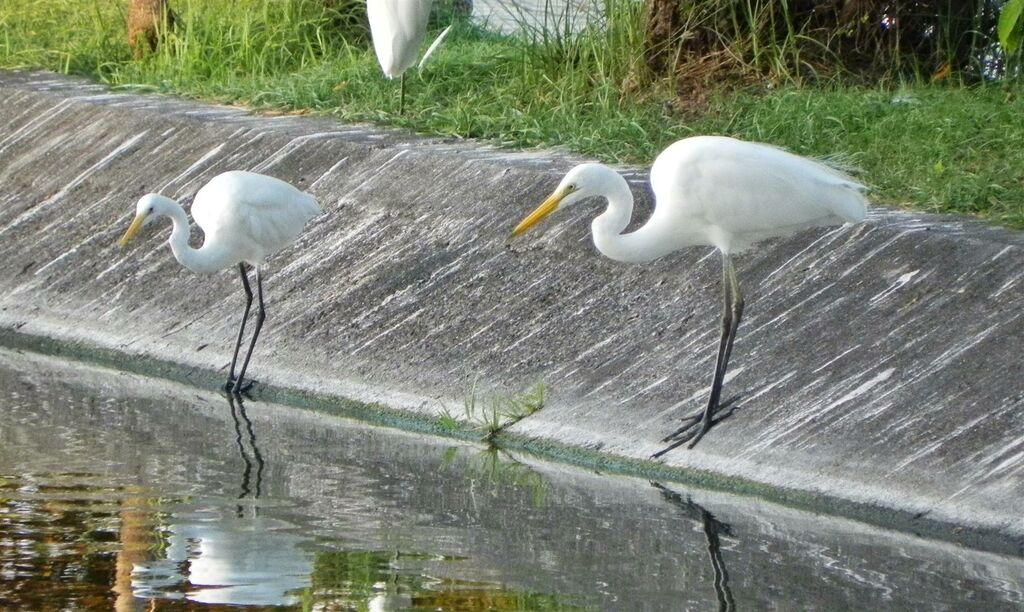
(238, 416)
(67, 541)
(380, 580)
(212, 557)
(124, 493)
(58, 534)
(491, 467)
(712, 527)
(79, 540)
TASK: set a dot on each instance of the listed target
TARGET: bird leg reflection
(230, 384)
(238, 415)
(732, 313)
(712, 529)
(261, 315)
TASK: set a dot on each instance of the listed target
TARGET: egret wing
(397, 28)
(259, 213)
(751, 191)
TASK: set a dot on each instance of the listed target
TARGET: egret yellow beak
(549, 206)
(132, 229)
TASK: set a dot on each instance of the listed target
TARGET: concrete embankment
(877, 372)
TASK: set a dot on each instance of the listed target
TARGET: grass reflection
(377, 580)
(492, 468)
(78, 542)
(67, 541)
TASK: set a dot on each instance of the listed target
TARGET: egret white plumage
(245, 218)
(711, 191)
(397, 28)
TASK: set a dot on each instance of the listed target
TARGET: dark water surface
(119, 492)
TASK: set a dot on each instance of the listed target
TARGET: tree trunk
(147, 19)
(664, 26)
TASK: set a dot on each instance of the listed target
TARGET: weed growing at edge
(493, 413)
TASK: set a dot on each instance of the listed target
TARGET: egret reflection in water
(116, 491)
(250, 456)
(712, 528)
(211, 557)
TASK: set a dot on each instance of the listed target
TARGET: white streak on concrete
(862, 388)
(329, 172)
(117, 264)
(103, 163)
(1007, 285)
(828, 236)
(782, 316)
(653, 385)
(78, 180)
(387, 331)
(896, 286)
(39, 121)
(60, 258)
(195, 165)
(870, 256)
(292, 146)
(835, 359)
(1003, 251)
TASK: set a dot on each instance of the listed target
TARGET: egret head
(150, 207)
(582, 182)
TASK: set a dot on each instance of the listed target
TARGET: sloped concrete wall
(878, 364)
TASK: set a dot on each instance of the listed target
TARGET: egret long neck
(645, 244)
(203, 260)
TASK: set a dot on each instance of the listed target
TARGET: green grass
(941, 148)
(493, 413)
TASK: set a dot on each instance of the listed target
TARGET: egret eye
(150, 211)
(571, 187)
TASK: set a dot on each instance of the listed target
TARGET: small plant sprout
(493, 413)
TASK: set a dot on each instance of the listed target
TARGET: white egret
(245, 218)
(711, 191)
(398, 28)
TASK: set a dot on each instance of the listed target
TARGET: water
(512, 16)
(118, 492)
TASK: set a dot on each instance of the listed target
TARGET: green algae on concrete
(382, 415)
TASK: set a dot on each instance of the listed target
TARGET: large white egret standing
(711, 191)
(398, 28)
(245, 218)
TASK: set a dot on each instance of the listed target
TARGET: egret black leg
(241, 328)
(401, 96)
(733, 319)
(261, 315)
(732, 312)
(737, 311)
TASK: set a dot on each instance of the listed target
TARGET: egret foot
(689, 433)
(239, 388)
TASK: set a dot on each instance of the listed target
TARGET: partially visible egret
(398, 28)
(245, 218)
(711, 191)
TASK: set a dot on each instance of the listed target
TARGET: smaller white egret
(711, 191)
(245, 218)
(398, 28)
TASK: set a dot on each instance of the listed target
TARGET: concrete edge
(984, 538)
